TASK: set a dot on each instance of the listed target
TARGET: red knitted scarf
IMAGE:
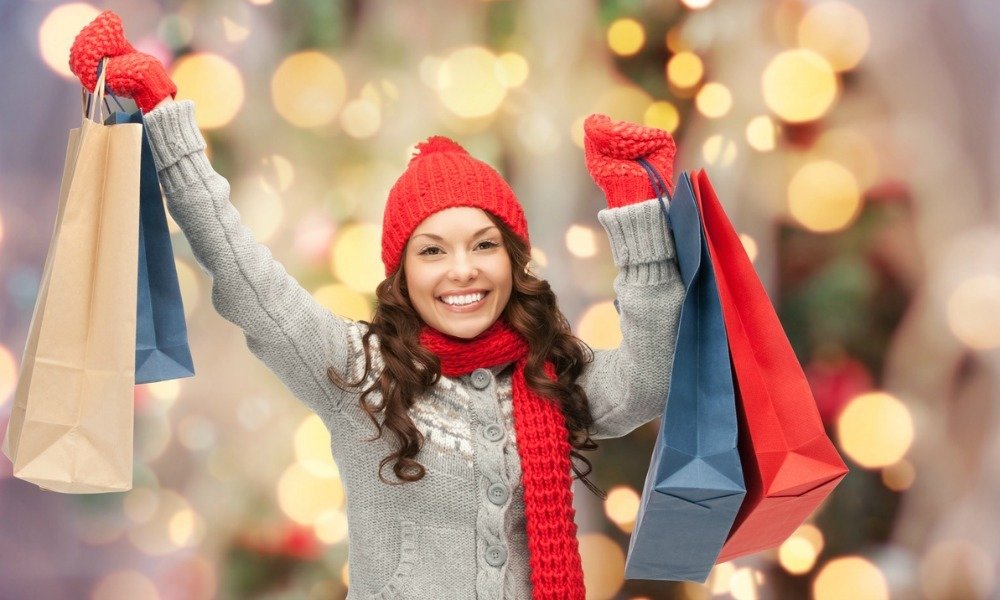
(543, 445)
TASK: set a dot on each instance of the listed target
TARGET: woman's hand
(611, 150)
(130, 73)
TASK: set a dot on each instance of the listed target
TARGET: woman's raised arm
(627, 386)
(295, 336)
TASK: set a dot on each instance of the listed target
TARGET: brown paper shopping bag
(71, 426)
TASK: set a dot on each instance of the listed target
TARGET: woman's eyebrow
(439, 238)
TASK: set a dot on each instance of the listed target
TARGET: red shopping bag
(789, 464)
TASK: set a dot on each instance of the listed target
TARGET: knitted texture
(611, 149)
(133, 74)
(544, 448)
(102, 37)
(440, 175)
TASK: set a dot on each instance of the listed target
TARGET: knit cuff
(173, 133)
(638, 234)
(178, 146)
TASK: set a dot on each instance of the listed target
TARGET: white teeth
(463, 300)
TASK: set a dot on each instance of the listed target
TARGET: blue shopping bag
(694, 486)
(161, 344)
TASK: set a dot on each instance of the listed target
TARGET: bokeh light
(312, 448)
(623, 102)
(718, 150)
(599, 326)
(313, 235)
(304, 496)
(539, 259)
(57, 32)
(762, 133)
(853, 150)
(719, 578)
(957, 568)
(899, 476)
(798, 553)
(361, 118)
(196, 432)
(538, 133)
(850, 577)
(260, 206)
(696, 4)
(581, 241)
(622, 507)
(186, 528)
(714, 100)
(626, 36)
(973, 309)
(124, 584)
(277, 173)
(140, 503)
(233, 31)
(603, 565)
(662, 115)
(467, 82)
(189, 280)
(175, 30)
(749, 246)
(343, 301)
(823, 196)
(331, 526)
(875, 429)
(213, 83)
(8, 375)
(513, 69)
(799, 85)
(356, 257)
(308, 89)
(836, 30)
(152, 535)
(153, 435)
(685, 69)
(743, 584)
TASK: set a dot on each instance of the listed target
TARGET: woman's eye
(487, 243)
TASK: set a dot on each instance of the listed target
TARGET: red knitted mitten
(133, 74)
(141, 77)
(611, 149)
(104, 36)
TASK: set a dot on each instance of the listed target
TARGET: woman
(467, 360)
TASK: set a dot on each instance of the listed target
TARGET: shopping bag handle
(100, 94)
(659, 188)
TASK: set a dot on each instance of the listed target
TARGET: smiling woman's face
(458, 253)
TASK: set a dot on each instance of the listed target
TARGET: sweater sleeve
(296, 337)
(627, 386)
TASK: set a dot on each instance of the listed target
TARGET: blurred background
(853, 145)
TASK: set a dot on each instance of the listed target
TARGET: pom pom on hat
(442, 174)
(437, 143)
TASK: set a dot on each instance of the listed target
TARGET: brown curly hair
(531, 311)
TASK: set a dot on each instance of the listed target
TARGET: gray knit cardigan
(459, 533)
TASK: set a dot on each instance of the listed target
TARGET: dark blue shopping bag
(161, 344)
(694, 486)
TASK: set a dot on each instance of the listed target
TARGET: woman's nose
(463, 267)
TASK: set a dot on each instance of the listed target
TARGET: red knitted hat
(442, 175)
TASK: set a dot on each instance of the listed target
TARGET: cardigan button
(481, 378)
(492, 432)
(498, 493)
(496, 555)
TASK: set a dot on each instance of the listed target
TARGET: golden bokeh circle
(799, 85)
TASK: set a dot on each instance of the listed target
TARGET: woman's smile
(464, 308)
